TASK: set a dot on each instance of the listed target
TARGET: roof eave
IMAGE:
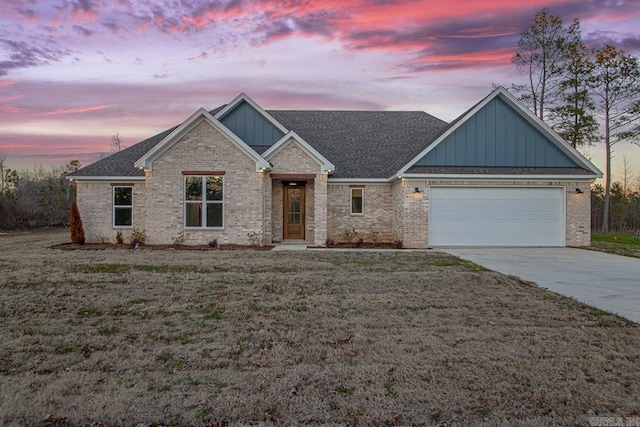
(104, 178)
(498, 176)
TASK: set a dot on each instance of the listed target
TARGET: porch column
(320, 209)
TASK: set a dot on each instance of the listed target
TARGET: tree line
(35, 198)
(577, 90)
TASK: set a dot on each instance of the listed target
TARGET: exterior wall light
(579, 191)
(416, 193)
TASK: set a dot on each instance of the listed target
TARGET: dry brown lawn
(169, 337)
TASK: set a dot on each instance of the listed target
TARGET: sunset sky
(75, 72)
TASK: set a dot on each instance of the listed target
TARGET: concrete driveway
(608, 282)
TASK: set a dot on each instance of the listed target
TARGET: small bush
(348, 236)
(181, 239)
(330, 243)
(398, 244)
(213, 243)
(138, 237)
(255, 238)
(119, 237)
(374, 236)
(75, 224)
(359, 242)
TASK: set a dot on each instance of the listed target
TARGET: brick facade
(377, 216)
(253, 201)
(413, 209)
(95, 203)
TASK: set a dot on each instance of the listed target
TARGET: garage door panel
(494, 216)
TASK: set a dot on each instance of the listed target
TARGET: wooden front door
(294, 211)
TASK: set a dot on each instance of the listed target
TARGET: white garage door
(490, 216)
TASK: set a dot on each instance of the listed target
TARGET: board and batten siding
(251, 126)
(496, 136)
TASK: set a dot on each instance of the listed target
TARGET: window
(357, 199)
(204, 202)
(122, 206)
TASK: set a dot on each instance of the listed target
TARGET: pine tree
(617, 90)
(573, 117)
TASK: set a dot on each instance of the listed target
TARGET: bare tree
(3, 159)
(116, 142)
(540, 55)
(628, 177)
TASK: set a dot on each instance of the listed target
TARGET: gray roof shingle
(121, 163)
(364, 144)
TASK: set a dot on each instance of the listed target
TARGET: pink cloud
(12, 109)
(78, 110)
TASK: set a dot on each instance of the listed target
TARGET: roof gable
(499, 132)
(327, 166)
(146, 161)
(253, 125)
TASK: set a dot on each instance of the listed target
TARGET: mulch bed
(224, 247)
(115, 246)
(364, 245)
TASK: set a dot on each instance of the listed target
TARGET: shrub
(213, 243)
(75, 224)
(351, 235)
(181, 239)
(398, 244)
(330, 243)
(138, 237)
(119, 237)
(254, 238)
(374, 236)
(348, 236)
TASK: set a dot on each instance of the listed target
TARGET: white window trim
(203, 202)
(113, 206)
(351, 201)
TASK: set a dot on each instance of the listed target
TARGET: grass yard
(169, 337)
(616, 243)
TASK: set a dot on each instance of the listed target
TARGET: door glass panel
(294, 206)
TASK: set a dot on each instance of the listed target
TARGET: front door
(294, 210)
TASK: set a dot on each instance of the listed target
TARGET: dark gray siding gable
(497, 136)
(251, 126)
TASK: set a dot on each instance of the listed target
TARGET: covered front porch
(298, 208)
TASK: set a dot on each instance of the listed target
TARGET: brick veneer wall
(95, 203)
(413, 211)
(377, 213)
(204, 149)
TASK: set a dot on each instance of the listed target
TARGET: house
(496, 176)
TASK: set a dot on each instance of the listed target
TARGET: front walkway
(295, 246)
